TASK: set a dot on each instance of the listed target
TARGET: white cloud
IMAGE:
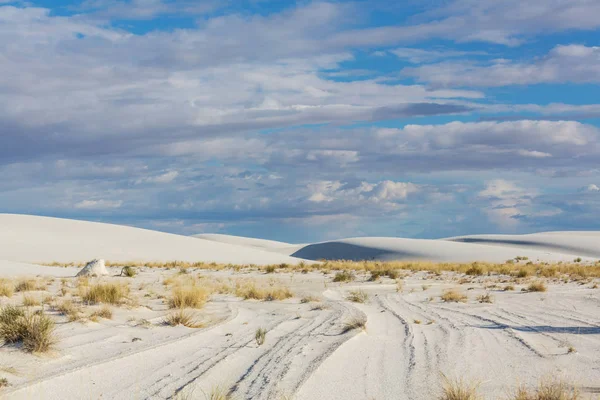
(591, 188)
(167, 177)
(506, 201)
(98, 204)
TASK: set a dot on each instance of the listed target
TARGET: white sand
(34, 239)
(244, 241)
(518, 339)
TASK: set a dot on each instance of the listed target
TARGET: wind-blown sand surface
(34, 239)
(411, 335)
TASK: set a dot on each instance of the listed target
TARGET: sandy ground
(411, 337)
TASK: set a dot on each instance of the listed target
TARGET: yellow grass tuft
(182, 317)
(459, 389)
(189, 296)
(6, 288)
(30, 301)
(354, 323)
(537, 286)
(358, 296)
(548, 389)
(34, 330)
(453, 296)
(112, 293)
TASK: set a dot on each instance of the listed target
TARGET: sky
(303, 121)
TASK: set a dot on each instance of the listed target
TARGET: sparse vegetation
(354, 323)
(128, 271)
(548, 389)
(508, 288)
(459, 389)
(34, 330)
(249, 290)
(6, 288)
(453, 296)
(309, 299)
(485, 298)
(3, 383)
(343, 276)
(260, 336)
(105, 312)
(30, 301)
(537, 286)
(27, 285)
(358, 296)
(182, 317)
(189, 296)
(111, 293)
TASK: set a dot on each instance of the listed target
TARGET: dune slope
(35, 239)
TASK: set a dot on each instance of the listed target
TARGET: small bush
(475, 269)
(538, 286)
(548, 389)
(182, 317)
(128, 271)
(105, 312)
(354, 323)
(270, 269)
(39, 335)
(68, 308)
(459, 389)
(3, 383)
(28, 285)
(260, 336)
(11, 327)
(6, 288)
(190, 297)
(453, 296)
(485, 298)
(343, 276)
(358, 296)
(30, 301)
(111, 293)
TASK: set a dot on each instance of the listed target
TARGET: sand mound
(94, 268)
(35, 239)
(384, 248)
(243, 241)
(585, 244)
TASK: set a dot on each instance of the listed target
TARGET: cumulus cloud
(507, 201)
(98, 204)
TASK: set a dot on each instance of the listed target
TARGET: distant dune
(244, 241)
(585, 244)
(34, 239)
(385, 248)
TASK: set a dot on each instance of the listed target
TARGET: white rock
(94, 268)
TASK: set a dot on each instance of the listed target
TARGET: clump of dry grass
(31, 301)
(260, 336)
(128, 271)
(378, 273)
(485, 298)
(343, 276)
(354, 323)
(548, 389)
(508, 288)
(34, 330)
(309, 299)
(6, 288)
(358, 296)
(453, 296)
(459, 389)
(105, 312)
(475, 270)
(188, 296)
(70, 309)
(249, 290)
(28, 285)
(3, 383)
(112, 293)
(537, 286)
(182, 317)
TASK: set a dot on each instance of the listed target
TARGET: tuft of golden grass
(188, 296)
(3, 383)
(105, 312)
(453, 296)
(354, 323)
(548, 389)
(309, 299)
(358, 296)
(260, 336)
(27, 285)
(6, 288)
(112, 293)
(182, 317)
(249, 290)
(485, 298)
(30, 301)
(537, 286)
(343, 276)
(508, 288)
(68, 308)
(34, 330)
(459, 389)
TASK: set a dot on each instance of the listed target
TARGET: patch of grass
(70, 309)
(343, 276)
(105, 312)
(249, 291)
(30, 301)
(417, 321)
(3, 383)
(453, 296)
(309, 299)
(128, 271)
(269, 269)
(537, 286)
(189, 297)
(508, 288)
(111, 293)
(485, 298)
(6, 288)
(459, 389)
(34, 330)
(182, 317)
(548, 389)
(28, 285)
(354, 323)
(358, 296)
(260, 336)
(475, 270)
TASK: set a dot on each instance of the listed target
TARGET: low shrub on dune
(188, 296)
(112, 293)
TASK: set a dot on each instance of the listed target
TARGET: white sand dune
(35, 239)
(12, 269)
(385, 248)
(244, 241)
(581, 243)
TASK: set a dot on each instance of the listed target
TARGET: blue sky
(303, 121)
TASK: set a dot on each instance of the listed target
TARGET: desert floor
(411, 336)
